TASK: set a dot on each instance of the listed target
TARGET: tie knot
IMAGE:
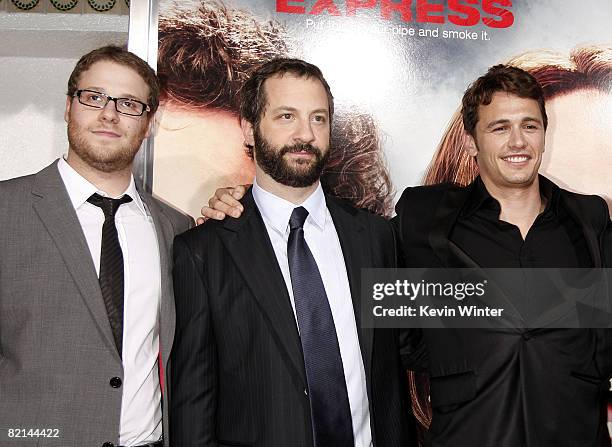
(298, 217)
(109, 206)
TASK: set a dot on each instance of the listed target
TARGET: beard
(103, 158)
(300, 174)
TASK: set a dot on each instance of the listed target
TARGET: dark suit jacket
(57, 352)
(509, 388)
(238, 371)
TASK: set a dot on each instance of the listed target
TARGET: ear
(67, 110)
(470, 146)
(247, 132)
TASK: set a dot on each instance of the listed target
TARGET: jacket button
(115, 382)
(108, 444)
(305, 392)
(526, 336)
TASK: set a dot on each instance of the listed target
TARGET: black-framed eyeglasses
(99, 100)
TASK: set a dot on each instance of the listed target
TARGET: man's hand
(224, 203)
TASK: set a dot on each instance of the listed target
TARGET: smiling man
(269, 348)
(86, 300)
(505, 388)
(519, 387)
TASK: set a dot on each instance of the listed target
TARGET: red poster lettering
(353, 5)
(325, 5)
(424, 8)
(506, 18)
(403, 7)
(284, 6)
(470, 16)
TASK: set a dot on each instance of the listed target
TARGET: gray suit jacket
(57, 353)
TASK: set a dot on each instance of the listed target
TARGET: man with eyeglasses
(86, 302)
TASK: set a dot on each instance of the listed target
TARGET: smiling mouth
(517, 158)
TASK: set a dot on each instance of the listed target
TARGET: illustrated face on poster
(397, 71)
(579, 136)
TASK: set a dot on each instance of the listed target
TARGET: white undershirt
(322, 239)
(141, 417)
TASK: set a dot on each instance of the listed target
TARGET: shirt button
(115, 382)
(108, 444)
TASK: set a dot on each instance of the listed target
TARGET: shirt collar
(277, 211)
(479, 197)
(80, 189)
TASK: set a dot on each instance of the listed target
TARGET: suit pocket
(448, 392)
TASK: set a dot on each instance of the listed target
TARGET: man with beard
(521, 386)
(269, 349)
(86, 299)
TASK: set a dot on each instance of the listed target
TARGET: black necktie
(111, 265)
(329, 404)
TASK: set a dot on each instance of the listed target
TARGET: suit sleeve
(604, 336)
(399, 249)
(193, 380)
(412, 348)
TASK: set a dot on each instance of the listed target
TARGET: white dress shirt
(322, 239)
(141, 418)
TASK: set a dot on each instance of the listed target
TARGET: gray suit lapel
(52, 204)
(165, 236)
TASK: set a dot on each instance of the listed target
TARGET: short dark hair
(253, 99)
(123, 57)
(499, 78)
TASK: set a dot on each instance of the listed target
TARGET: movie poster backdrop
(397, 69)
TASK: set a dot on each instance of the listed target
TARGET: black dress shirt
(554, 239)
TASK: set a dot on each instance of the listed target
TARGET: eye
(92, 97)
(127, 103)
(499, 129)
(531, 126)
(286, 116)
(319, 118)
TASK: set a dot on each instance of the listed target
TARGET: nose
(304, 132)
(517, 138)
(109, 111)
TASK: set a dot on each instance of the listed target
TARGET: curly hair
(356, 169)
(206, 51)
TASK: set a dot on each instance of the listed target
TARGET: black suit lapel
(591, 236)
(452, 256)
(357, 253)
(247, 240)
(439, 236)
